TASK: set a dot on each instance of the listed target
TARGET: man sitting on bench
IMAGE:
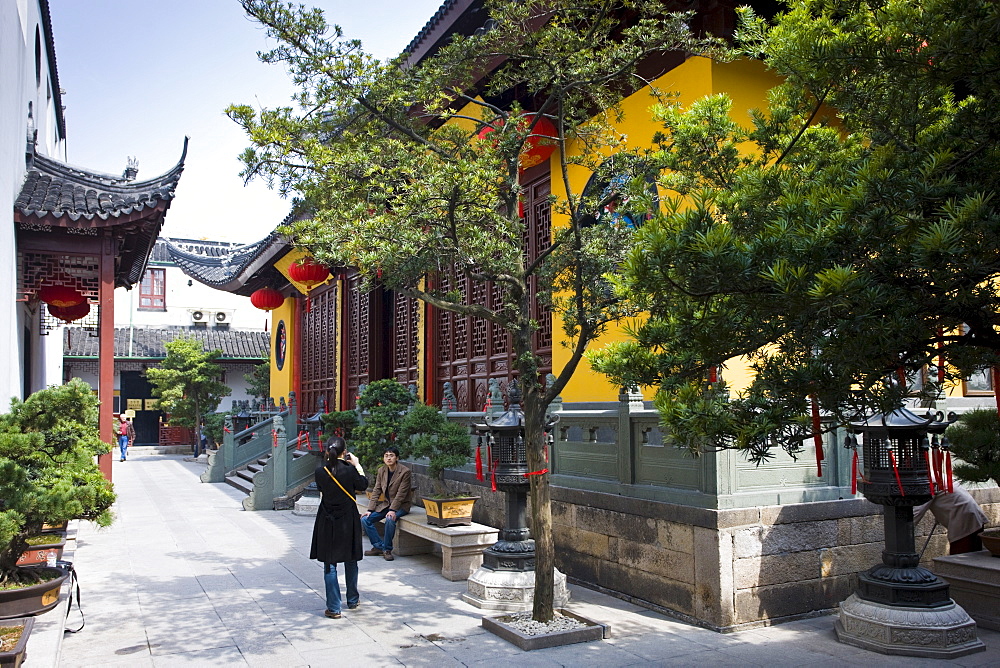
(390, 500)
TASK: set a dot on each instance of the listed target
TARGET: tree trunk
(541, 500)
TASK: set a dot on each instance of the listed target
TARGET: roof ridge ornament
(131, 168)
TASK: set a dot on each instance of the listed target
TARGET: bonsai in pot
(975, 441)
(48, 474)
(425, 432)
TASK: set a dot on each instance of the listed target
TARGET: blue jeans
(123, 445)
(333, 585)
(384, 543)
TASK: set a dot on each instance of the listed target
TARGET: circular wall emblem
(280, 345)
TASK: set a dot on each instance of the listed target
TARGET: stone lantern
(243, 419)
(506, 579)
(899, 606)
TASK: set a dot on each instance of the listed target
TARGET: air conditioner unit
(222, 317)
(198, 315)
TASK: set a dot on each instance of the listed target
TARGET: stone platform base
(974, 582)
(939, 633)
(509, 591)
(306, 505)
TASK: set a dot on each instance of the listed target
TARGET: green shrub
(425, 432)
(48, 473)
(975, 440)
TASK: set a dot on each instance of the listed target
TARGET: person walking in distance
(336, 534)
(126, 435)
(390, 500)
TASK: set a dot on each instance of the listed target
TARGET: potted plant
(14, 640)
(975, 441)
(425, 432)
(43, 547)
(48, 474)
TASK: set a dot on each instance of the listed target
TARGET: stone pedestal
(974, 579)
(509, 591)
(306, 505)
(943, 632)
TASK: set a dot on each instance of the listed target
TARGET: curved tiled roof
(63, 193)
(150, 342)
(237, 269)
(212, 267)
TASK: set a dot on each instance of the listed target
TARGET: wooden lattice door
(468, 351)
(318, 345)
(405, 338)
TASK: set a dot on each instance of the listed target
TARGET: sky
(140, 75)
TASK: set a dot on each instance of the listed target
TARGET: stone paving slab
(186, 577)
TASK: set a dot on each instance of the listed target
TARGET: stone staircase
(242, 478)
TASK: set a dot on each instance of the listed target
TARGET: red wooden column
(106, 348)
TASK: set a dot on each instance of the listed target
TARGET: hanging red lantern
(267, 299)
(309, 273)
(541, 142)
(60, 295)
(69, 313)
(538, 146)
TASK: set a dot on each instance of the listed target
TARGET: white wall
(18, 88)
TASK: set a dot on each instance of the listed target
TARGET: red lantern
(541, 142)
(308, 272)
(60, 295)
(539, 145)
(267, 299)
(69, 313)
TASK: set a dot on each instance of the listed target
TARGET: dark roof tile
(150, 342)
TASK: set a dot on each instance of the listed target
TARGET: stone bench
(461, 546)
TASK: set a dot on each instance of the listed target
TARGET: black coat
(337, 532)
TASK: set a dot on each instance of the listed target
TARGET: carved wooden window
(318, 339)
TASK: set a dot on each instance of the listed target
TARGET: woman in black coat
(337, 532)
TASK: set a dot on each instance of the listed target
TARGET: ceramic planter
(38, 554)
(991, 541)
(13, 656)
(33, 599)
(450, 512)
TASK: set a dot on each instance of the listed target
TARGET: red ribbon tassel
(479, 463)
(817, 436)
(939, 470)
(930, 473)
(493, 476)
(951, 487)
(854, 473)
(274, 438)
(895, 470)
(537, 472)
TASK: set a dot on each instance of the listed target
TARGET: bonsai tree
(425, 432)
(48, 472)
(382, 406)
(975, 440)
(341, 423)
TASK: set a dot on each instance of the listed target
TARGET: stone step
(240, 483)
